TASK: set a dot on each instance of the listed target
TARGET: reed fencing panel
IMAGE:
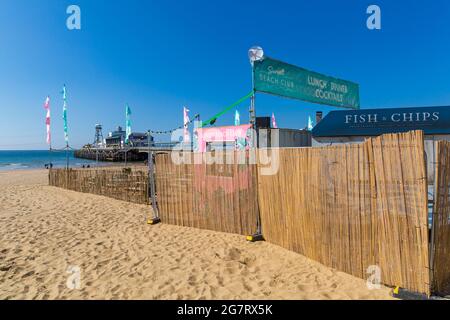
(206, 195)
(441, 221)
(127, 184)
(353, 206)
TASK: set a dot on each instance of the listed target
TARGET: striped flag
(186, 125)
(47, 120)
(274, 122)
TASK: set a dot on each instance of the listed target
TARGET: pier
(137, 154)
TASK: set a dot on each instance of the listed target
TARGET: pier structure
(132, 154)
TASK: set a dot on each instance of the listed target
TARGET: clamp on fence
(255, 237)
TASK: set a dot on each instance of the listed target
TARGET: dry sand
(45, 230)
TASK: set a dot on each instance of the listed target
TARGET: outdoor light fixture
(255, 54)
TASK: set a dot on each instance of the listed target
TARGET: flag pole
(48, 124)
(67, 156)
(66, 135)
(254, 140)
(151, 174)
(50, 155)
(252, 101)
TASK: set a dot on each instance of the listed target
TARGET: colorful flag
(186, 125)
(237, 118)
(310, 123)
(47, 120)
(128, 124)
(274, 122)
(66, 131)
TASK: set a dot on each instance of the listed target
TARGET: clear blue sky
(161, 55)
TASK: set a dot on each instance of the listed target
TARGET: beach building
(354, 126)
(116, 139)
(140, 140)
(239, 137)
(287, 138)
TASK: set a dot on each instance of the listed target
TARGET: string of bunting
(196, 117)
(210, 121)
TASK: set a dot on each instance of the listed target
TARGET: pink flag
(47, 120)
(186, 125)
(274, 122)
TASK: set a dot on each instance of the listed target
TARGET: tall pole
(48, 125)
(149, 156)
(151, 174)
(50, 155)
(258, 235)
(252, 101)
(254, 140)
(66, 135)
(67, 156)
(255, 54)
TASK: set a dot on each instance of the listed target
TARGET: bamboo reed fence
(441, 221)
(219, 197)
(353, 206)
(349, 207)
(127, 184)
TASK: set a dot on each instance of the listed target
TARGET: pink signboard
(237, 134)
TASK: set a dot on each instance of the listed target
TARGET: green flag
(128, 123)
(66, 130)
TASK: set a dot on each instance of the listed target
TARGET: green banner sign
(282, 79)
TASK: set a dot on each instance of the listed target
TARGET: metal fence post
(151, 173)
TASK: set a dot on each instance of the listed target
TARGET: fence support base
(255, 237)
(405, 294)
(153, 221)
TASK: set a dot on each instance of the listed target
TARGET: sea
(37, 159)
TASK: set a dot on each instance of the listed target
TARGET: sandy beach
(45, 231)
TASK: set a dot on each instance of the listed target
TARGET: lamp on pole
(254, 54)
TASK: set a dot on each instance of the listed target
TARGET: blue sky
(160, 55)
